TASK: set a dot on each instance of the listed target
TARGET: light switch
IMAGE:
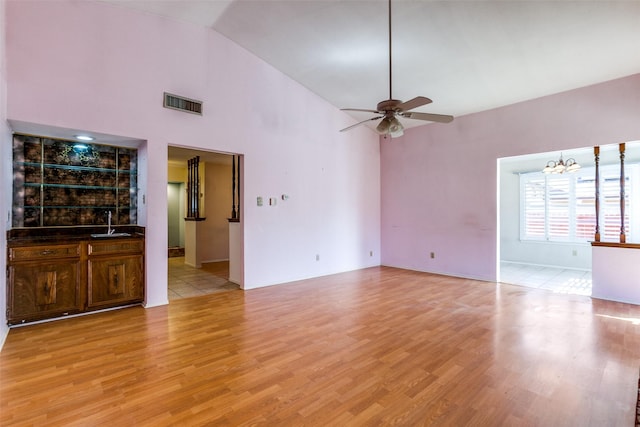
(272, 201)
(259, 201)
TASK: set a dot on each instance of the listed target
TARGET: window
(561, 208)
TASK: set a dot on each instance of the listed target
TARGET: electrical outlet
(317, 257)
(432, 255)
(259, 201)
(575, 253)
(370, 253)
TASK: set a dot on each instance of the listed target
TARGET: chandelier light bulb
(561, 166)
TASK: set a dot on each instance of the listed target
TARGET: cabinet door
(41, 290)
(115, 280)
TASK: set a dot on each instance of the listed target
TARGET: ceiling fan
(390, 109)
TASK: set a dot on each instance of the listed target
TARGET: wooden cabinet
(46, 281)
(115, 272)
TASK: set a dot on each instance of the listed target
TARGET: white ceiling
(467, 56)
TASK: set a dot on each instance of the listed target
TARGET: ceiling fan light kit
(383, 126)
(390, 109)
(391, 126)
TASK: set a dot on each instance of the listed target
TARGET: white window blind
(534, 207)
(558, 208)
(561, 208)
(585, 207)
(610, 208)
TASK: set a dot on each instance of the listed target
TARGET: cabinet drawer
(40, 252)
(132, 246)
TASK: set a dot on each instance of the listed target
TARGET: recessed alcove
(65, 183)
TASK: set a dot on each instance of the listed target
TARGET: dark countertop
(69, 234)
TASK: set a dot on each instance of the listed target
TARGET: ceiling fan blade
(416, 102)
(360, 109)
(362, 122)
(440, 118)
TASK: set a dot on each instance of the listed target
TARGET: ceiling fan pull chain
(390, 79)
(390, 109)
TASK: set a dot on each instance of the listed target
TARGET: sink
(99, 235)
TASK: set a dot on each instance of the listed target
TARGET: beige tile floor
(186, 281)
(558, 280)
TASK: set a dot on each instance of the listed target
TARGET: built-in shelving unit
(66, 183)
(61, 271)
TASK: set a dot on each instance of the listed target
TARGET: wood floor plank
(379, 346)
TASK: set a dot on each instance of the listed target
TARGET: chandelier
(561, 166)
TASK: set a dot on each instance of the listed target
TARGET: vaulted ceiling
(467, 56)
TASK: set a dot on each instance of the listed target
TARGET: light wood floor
(379, 346)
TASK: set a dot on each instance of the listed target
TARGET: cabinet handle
(46, 252)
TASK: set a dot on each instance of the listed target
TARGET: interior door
(175, 214)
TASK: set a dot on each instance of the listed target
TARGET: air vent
(181, 103)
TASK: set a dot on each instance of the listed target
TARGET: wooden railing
(235, 190)
(623, 237)
(596, 154)
(193, 189)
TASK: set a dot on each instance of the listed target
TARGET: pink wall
(102, 68)
(439, 181)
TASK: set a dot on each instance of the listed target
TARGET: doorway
(207, 242)
(533, 250)
(175, 203)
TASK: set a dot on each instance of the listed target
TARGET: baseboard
(4, 333)
(71, 316)
(214, 260)
(443, 273)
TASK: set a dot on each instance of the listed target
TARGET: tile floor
(563, 281)
(186, 281)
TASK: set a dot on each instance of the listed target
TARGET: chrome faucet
(109, 230)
